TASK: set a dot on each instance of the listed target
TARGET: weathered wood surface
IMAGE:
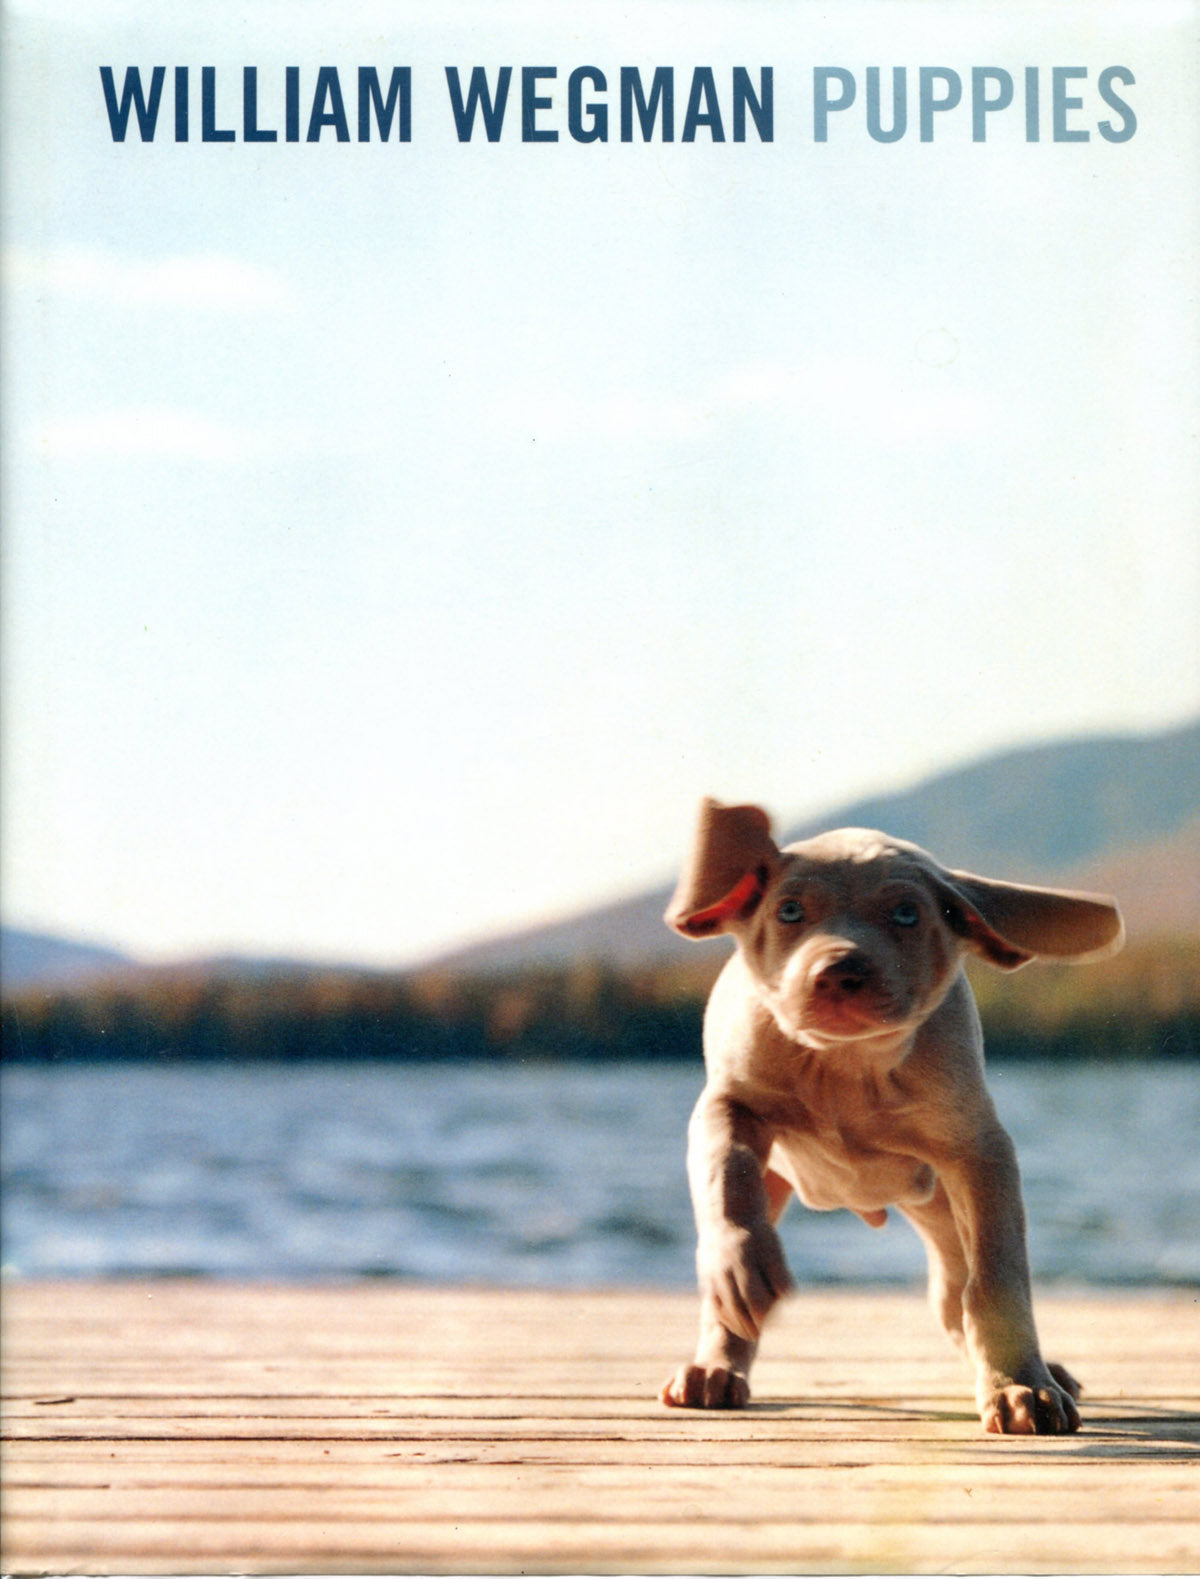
(175, 1427)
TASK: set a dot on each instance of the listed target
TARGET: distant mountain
(42, 960)
(38, 959)
(1044, 808)
(1118, 814)
(1121, 814)
(1158, 884)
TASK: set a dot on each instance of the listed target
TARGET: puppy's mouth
(854, 1012)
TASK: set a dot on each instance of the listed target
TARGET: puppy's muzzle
(843, 992)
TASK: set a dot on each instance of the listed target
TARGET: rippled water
(524, 1175)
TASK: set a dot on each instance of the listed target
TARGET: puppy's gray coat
(845, 1064)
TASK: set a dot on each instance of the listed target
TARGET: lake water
(520, 1175)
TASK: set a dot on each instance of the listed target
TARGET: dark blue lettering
(181, 104)
(250, 127)
(133, 98)
(596, 129)
(662, 91)
(328, 88)
(703, 87)
(478, 97)
(531, 132)
(291, 103)
(762, 108)
(399, 99)
(209, 131)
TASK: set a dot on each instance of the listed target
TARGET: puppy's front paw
(1017, 1410)
(706, 1387)
(743, 1272)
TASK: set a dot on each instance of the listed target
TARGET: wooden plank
(200, 1428)
(611, 1544)
(286, 1464)
(566, 1493)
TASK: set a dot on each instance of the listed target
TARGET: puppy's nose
(844, 976)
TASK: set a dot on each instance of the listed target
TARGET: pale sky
(400, 539)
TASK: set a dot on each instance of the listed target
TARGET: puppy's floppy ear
(1008, 924)
(732, 857)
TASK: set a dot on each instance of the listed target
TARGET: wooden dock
(159, 1427)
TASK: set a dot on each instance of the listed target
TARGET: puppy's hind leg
(948, 1270)
(949, 1276)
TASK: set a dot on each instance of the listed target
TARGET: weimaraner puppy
(845, 1063)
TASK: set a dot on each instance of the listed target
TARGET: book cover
(442, 441)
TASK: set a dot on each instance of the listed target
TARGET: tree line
(1143, 1004)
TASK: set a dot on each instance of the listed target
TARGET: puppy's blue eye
(906, 914)
(790, 910)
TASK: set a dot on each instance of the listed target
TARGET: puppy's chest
(828, 1171)
(857, 1157)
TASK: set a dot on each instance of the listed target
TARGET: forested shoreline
(1143, 1004)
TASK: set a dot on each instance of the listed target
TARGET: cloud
(205, 280)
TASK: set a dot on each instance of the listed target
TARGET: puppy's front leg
(738, 1255)
(1016, 1390)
